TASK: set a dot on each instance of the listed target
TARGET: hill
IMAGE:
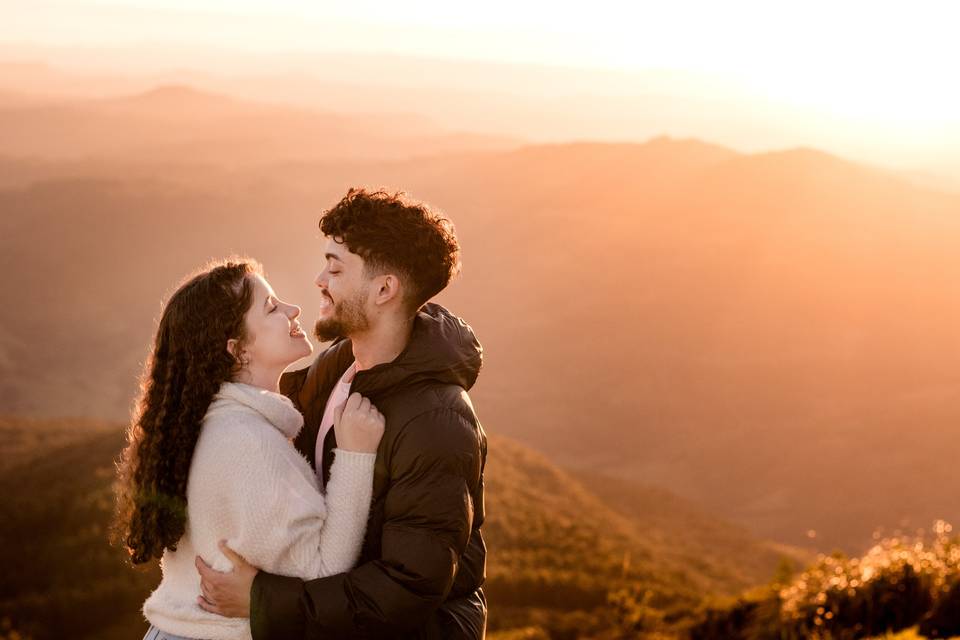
(554, 547)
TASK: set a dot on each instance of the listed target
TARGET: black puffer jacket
(423, 559)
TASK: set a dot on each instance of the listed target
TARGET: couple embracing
(343, 500)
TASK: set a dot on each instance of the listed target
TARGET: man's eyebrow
(333, 256)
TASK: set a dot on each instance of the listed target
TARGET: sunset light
(480, 321)
(868, 78)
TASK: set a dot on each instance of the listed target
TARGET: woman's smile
(297, 331)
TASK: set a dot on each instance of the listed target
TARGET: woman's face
(274, 337)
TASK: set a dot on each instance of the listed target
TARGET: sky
(881, 65)
(885, 60)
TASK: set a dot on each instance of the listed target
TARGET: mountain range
(770, 336)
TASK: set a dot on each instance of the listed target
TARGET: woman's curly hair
(189, 362)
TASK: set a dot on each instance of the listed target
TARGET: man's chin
(327, 332)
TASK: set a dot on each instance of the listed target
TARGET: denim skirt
(155, 634)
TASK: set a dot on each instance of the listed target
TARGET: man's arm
(428, 516)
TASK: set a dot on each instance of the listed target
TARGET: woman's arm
(359, 428)
(348, 507)
(254, 490)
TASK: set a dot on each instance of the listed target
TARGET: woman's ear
(232, 345)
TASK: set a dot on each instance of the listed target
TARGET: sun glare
(889, 66)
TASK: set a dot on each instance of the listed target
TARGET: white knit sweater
(250, 486)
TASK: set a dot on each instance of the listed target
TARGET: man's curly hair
(391, 232)
(188, 363)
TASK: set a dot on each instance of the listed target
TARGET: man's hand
(226, 594)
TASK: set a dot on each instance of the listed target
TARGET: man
(423, 559)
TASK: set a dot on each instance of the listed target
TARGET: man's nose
(320, 280)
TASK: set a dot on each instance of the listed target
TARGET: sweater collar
(277, 409)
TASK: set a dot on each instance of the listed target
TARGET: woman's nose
(294, 311)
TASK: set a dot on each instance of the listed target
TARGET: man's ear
(388, 287)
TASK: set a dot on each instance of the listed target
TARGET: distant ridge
(686, 152)
(175, 122)
(177, 96)
(805, 163)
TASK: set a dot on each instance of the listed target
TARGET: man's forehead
(338, 250)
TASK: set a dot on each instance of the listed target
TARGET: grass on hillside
(908, 634)
(901, 582)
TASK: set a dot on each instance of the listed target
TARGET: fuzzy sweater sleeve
(257, 492)
(347, 508)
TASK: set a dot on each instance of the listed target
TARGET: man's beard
(348, 318)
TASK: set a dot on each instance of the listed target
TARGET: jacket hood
(442, 348)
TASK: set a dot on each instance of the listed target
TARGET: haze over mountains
(175, 122)
(772, 336)
(515, 101)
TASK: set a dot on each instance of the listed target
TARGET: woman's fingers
(357, 405)
(353, 402)
(360, 426)
(348, 407)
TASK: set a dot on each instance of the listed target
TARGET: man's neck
(381, 343)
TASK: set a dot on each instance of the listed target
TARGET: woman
(209, 455)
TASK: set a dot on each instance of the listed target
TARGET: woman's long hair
(188, 364)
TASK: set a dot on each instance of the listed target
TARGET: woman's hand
(358, 425)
